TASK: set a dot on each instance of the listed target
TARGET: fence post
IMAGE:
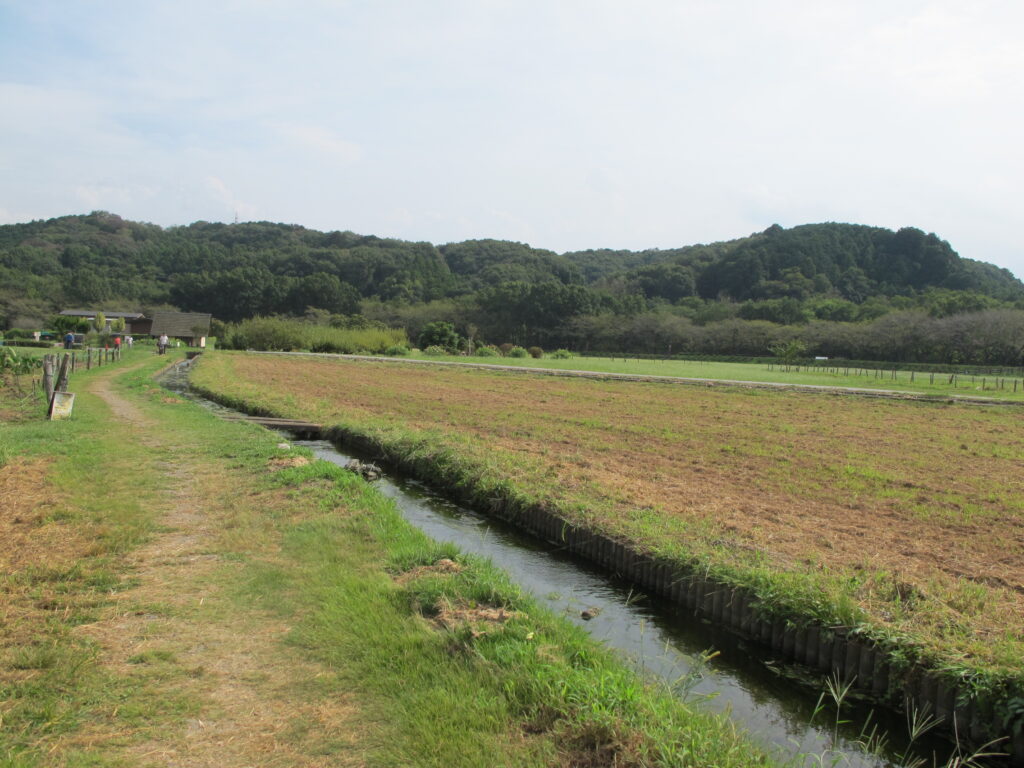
(62, 376)
(48, 377)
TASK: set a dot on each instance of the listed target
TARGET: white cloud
(321, 142)
(242, 210)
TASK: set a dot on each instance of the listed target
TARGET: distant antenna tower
(236, 217)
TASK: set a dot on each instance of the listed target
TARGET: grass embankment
(184, 588)
(939, 385)
(900, 519)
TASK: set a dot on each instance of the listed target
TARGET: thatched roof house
(190, 327)
(135, 322)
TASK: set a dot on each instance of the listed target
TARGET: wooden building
(190, 327)
(135, 323)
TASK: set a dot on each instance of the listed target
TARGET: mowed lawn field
(989, 386)
(903, 518)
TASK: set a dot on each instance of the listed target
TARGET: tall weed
(281, 334)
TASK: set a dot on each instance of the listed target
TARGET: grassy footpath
(921, 384)
(184, 587)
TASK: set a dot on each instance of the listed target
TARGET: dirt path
(240, 691)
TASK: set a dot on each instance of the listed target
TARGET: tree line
(831, 285)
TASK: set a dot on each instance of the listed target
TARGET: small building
(134, 322)
(190, 327)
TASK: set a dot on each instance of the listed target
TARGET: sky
(565, 124)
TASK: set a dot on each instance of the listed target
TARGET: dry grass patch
(36, 555)
(281, 462)
(441, 567)
(29, 538)
(479, 619)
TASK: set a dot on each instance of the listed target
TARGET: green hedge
(9, 342)
(279, 334)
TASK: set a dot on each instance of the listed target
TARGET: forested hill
(849, 260)
(817, 272)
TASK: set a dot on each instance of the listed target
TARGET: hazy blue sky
(567, 124)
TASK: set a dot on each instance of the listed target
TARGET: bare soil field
(910, 511)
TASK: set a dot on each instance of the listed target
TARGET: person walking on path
(69, 340)
(161, 344)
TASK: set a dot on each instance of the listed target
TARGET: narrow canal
(776, 704)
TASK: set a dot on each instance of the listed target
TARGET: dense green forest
(845, 290)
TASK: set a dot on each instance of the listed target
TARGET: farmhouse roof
(180, 324)
(90, 313)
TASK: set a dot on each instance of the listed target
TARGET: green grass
(451, 693)
(329, 557)
(966, 386)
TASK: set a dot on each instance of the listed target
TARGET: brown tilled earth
(930, 494)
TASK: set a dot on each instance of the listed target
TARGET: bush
(506, 348)
(487, 352)
(536, 352)
(20, 333)
(561, 354)
(397, 350)
(280, 334)
(12, 362)
(517, 352)
(439, 334)
(435, 351)
(62, 324)
(14, 342)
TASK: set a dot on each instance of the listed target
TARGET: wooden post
(88, 358)
(48, 377)
(62, 376)
(73, 361)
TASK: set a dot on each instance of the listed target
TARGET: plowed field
(911, 515)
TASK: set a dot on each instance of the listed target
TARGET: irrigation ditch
(770, 667)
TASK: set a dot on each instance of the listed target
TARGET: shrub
(12, 342)
(561, 354)
(397, 350)
(12, 362)
(517, 352)
(536, 352)
(439, 334)
(487, 352)
(434, 351)
(280, 334)
(20, 333)
(506, 348)
(62, 324)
